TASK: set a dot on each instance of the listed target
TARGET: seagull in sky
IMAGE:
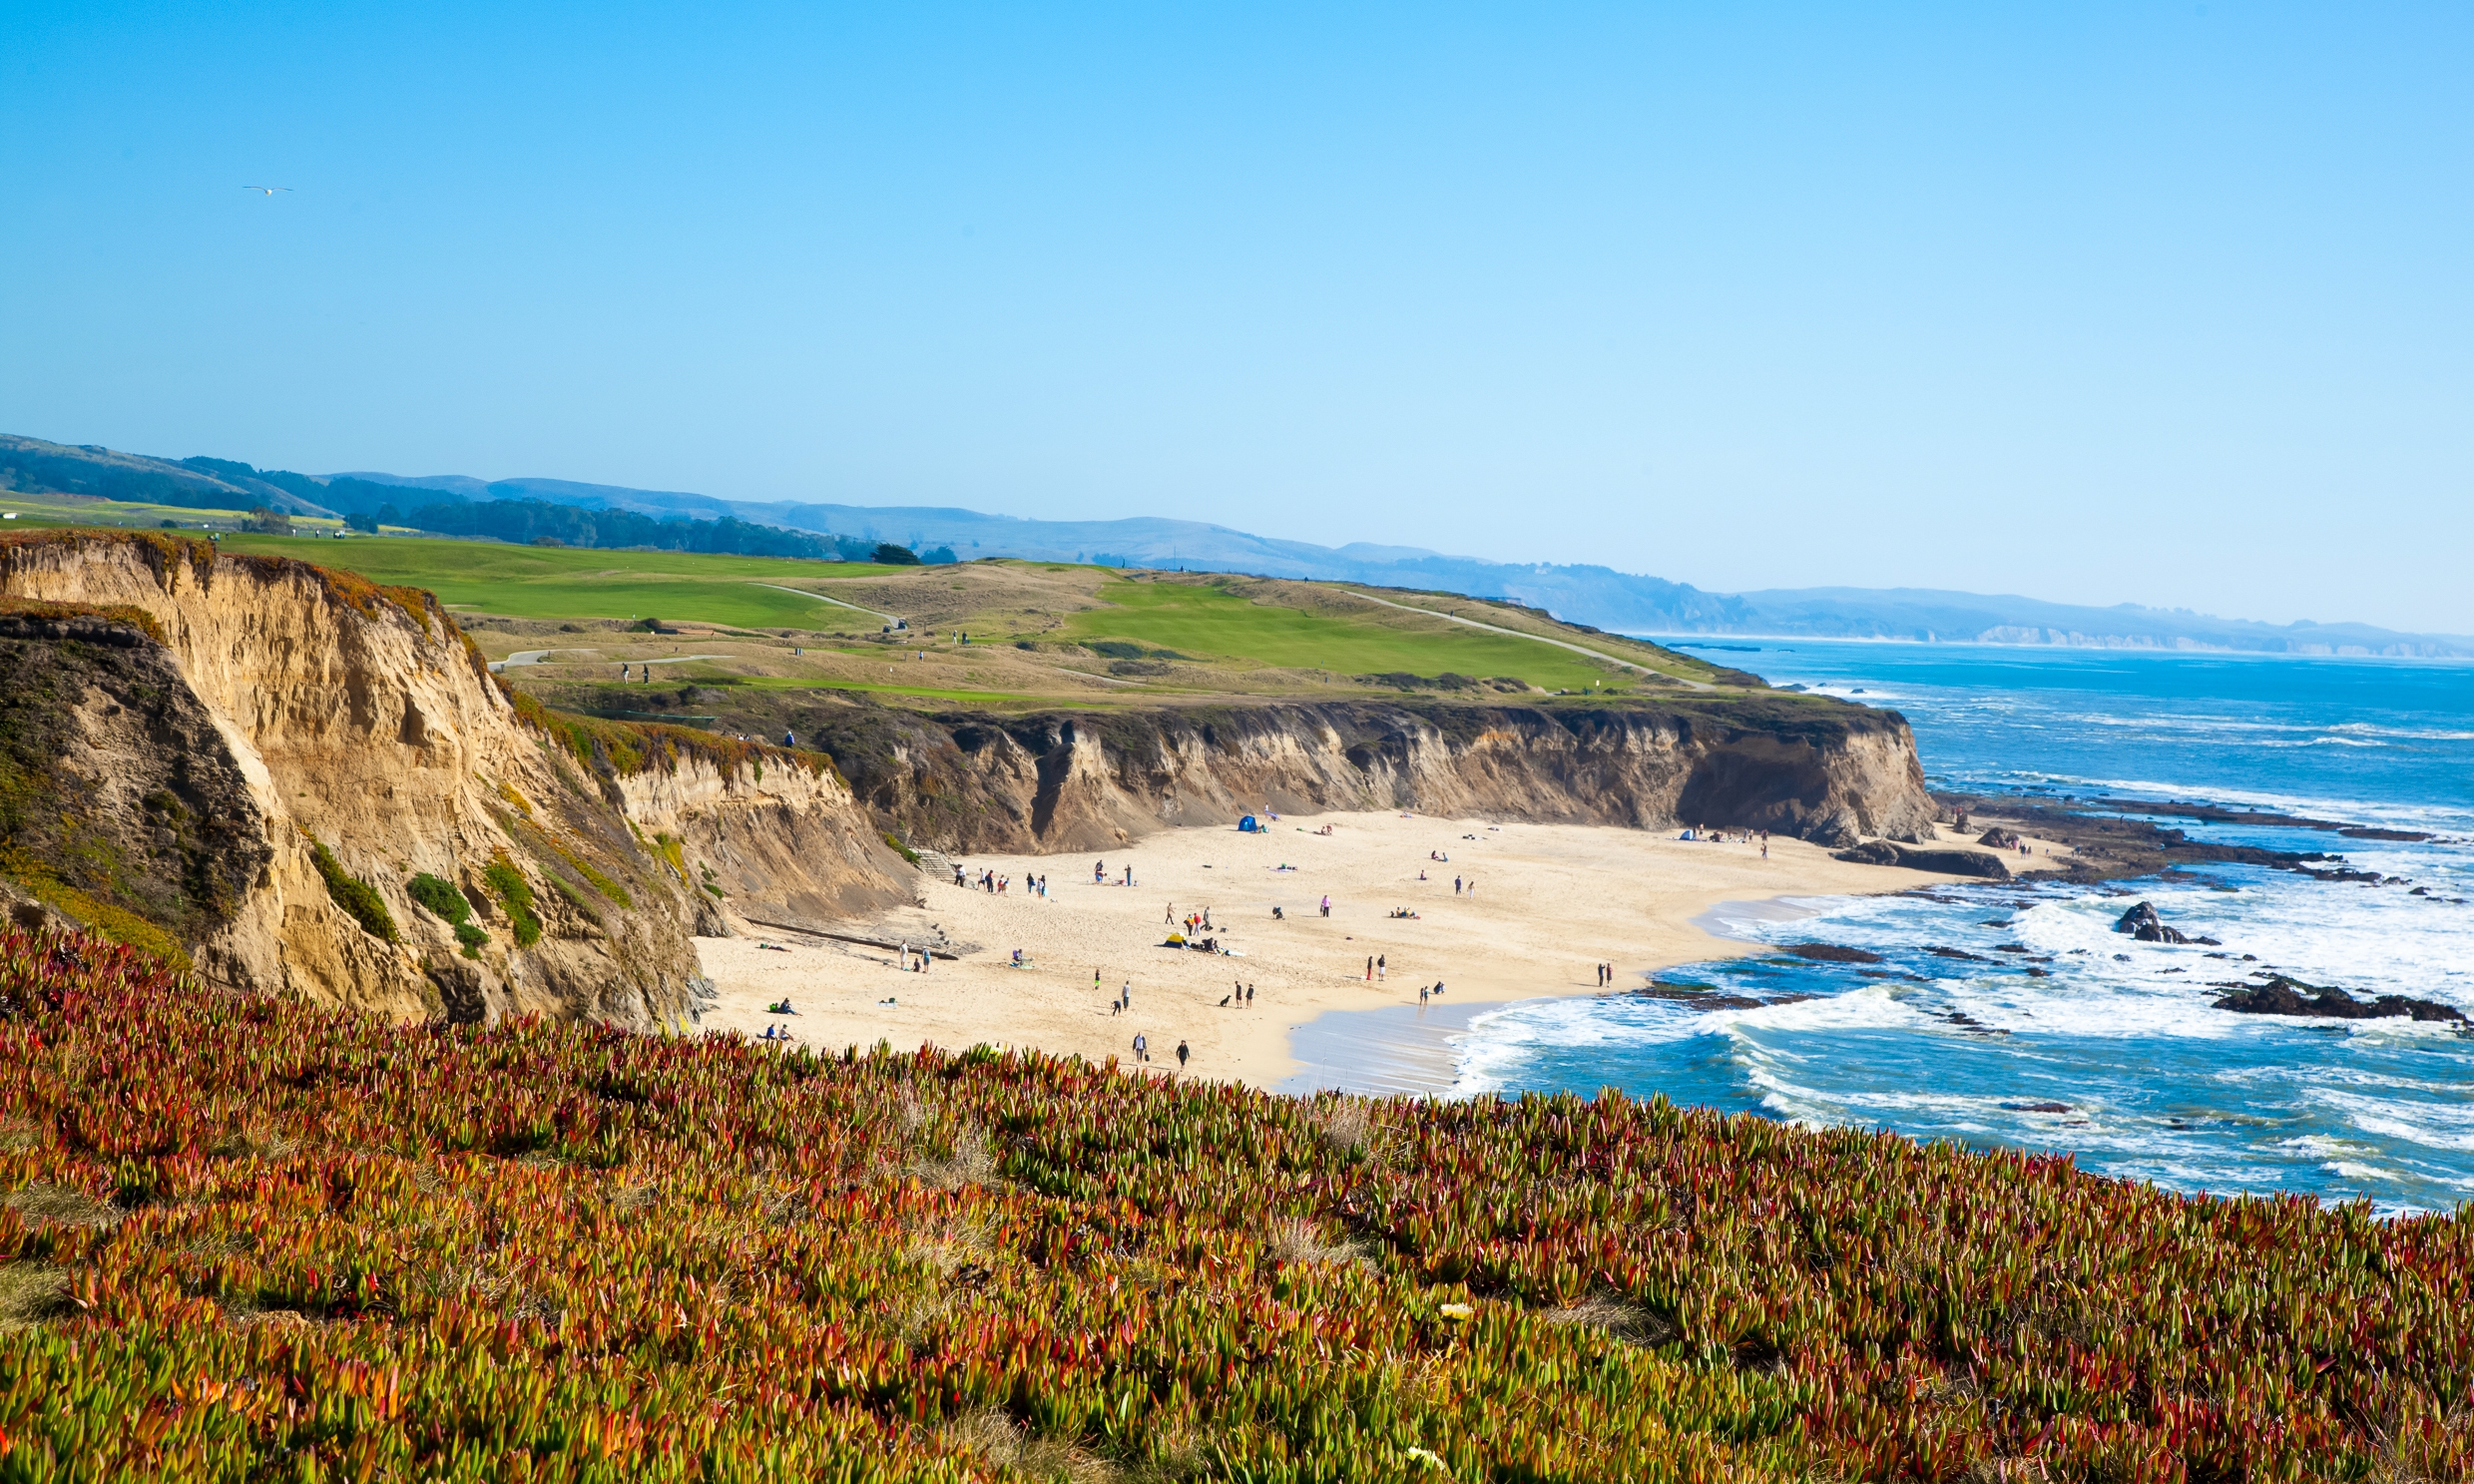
(270, 190)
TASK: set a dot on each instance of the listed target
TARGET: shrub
(440, 896)
(472, 937)
(517, 897)
(354, 895)
(575, 898)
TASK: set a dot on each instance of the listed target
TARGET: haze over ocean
(2157, 1084)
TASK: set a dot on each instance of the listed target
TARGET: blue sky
(2170, 304)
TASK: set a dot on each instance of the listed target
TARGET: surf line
(820, 598)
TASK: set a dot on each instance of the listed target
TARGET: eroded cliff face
(779, 844)
(205, 723)
(1823, 771)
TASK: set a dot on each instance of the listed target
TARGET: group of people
(1759, 837)
(1193, 921)
(996, 883)
(1142, 1050)
(1098, 875)
(1424, 990)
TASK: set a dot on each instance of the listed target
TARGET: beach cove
(1550, 902)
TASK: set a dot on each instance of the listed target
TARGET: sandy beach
(1539, 906)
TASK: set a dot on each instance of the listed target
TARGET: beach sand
(1550, 901)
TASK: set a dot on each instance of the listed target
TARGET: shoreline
(1502, 913)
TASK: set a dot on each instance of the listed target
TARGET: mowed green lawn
(553, 581)
(1209, 623)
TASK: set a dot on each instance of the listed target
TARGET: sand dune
(1550, 901)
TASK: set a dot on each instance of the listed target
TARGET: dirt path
(1453, 617)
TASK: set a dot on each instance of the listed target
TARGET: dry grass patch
(31, 1293)
(61, 1205)
(1629, 1322)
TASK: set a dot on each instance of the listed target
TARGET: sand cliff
(187, 730)
(1827, 773)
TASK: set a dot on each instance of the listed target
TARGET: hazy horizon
(2156, 305)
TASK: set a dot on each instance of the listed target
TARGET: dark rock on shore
(1999, 839)
(2284, 996)
(2106, 847)
(1832, 953)
(1948, 860)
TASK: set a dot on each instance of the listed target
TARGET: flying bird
(270, 190)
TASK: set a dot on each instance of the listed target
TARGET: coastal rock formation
(1825, 771)
(783, 845)
(2284, 996)
(2142, 922)
(1949, 861)
(1999, 839)
(245, 762)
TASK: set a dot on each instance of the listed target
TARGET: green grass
(1209, 623)
(554, 582)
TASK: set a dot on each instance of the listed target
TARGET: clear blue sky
(2159, 302)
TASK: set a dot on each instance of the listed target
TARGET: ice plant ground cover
(246, 1237)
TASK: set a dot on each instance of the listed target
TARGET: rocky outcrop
(2284, 996)
(2144, 923)
(1803, 766)
(780, 845)
(1948, 860)
(247, 760)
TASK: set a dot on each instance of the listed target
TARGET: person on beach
(1370, 968)
(1181, 1054)
(1141, 1047)
(1250, 994)
(1421, 997)
(1455, 886)
(1099, 873)
(1169, 917)
(1125, 996)
(1379, 966)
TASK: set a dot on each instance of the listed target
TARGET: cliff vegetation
(246, 1237)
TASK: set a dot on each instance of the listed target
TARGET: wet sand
(1550, 902)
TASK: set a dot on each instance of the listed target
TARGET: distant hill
(1600, 596)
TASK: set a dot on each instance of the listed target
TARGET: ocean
(2118, 1057)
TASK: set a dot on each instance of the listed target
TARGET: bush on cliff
(268, 1239)
(515, 894)
(354, 895)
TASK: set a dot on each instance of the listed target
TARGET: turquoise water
(2150, 1080)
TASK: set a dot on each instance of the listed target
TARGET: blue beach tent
(1248, 825)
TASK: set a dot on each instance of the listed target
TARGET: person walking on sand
(1169, 917)
(1181, 1054)
(1326, 904)
(1141, 1047)
(1455, 886)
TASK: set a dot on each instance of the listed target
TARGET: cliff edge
(300, 783)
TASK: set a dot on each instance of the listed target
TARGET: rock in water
(2143, 923)
(1832, 953)
(2284, 996)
